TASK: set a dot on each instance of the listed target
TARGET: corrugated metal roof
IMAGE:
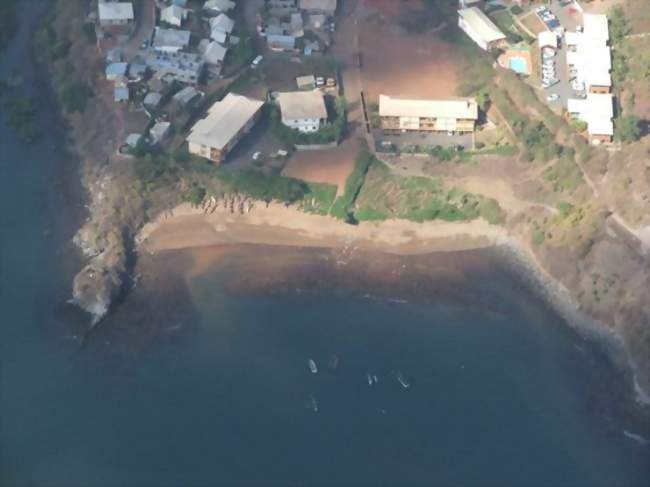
(481, 24)
(460, 108)
(224, 120)
(116, 11)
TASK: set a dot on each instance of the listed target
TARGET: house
(183, 67)
(589, 54)
(132, 140)
(480, 28)
(186, 96)
(115, 13)
(159, 132)
(222, 23)
(226, 122)
(180, 3)
(546, 38)
(173, 15)
(316, 21)
(137, 71)
(447, 115)
(121, 94)
(278, 42)
(213, 55)
(304, 111)
(327, 7)
(469, 3)
(597, 111)
(218, 36)
(115, 70)
(114, 56)
(170, 40)
(219, 6)
(306, 82)
(152, 100)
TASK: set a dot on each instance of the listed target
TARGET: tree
(628, 128)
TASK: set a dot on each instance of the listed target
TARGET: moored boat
(312, 366)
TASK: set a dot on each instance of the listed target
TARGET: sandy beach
(187, 226)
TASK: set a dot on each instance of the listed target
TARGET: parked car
(256, 62)
(540, 9)
(320, 81)
(552, 97)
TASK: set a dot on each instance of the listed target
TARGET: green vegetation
(386, 195)
(54, 46)
(8, 21)
(503, 19)
(628, 128)
(88, 29)
(328, 133)
(343, 206)
(565, 175)
(319, 198)
(74, 96)
(21, 117)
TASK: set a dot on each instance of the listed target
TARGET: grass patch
(343, 205)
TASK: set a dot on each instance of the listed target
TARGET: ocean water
(207, 384)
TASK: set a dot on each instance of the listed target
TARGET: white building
(173, 15)
(227, 121)
(480, 28)
(327, 7)
(170, 40)
(597, 111)
(446, 115)
(303, 110)
(115, 13)
(219, 6)
(222, 23)
(590, 55)
(546, 38)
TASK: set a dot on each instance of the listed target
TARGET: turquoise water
(518, 64)
(205, 386)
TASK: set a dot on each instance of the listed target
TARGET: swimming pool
(518, 65)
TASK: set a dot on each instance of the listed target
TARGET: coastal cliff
(584, 246)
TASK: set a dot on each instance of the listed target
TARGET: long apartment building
(226, 123)
(480, 28)
(412, 115)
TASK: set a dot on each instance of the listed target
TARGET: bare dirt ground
(324, 166)
(533, 23)
(401, 64)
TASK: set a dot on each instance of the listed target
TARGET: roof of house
(117, 69)
(133, 139)
(597, 109)
(308, 81)
(324, 5)
(186, 95)
(481, 24)
(116, 11)
(121, 93)
(222, 23)
(593, 64)
(459, 108)
(218, 35)
(281, 42)
(152, 99)
(219, 5)
(180, 3)
(214, 53)
(595, 27)
(173, 14)
(171, 38)
(547, 38)
(302, 104)
(159, 130)
(224, 120)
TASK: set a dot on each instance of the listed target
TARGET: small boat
(312, 366)
(375, 379)
(333, 362)
(312, 404)
(402, 380)
(369, 379)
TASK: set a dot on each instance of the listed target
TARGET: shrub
(75, 96)
(628, 128)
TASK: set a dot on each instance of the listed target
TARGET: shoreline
(187, 226)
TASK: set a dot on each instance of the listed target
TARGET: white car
(256, 156)
(552, 97)
(540, 9)
(320, 81)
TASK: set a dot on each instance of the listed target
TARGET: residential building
(446, 115)
(222, 23)
(183, 67)
(327, 7)
(121, 94)
(173, 15)
(589, 54)
(152, 100)
(219, 6)
(480, 28)
(226, 122)
(132, 140)
(170, 40)
(186, 96)
(159, 132)
(278, 42)
(303, 110)
(214, 55)
(306, 82)
(115, 70)
(597, 111)
(546, 38)
(115, 14)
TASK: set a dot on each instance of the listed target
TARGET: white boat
(312, 366)
(313, 404)
(402, 380)
(369, 379)
(375, 379)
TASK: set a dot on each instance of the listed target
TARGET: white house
(173, 15)
(227, 121)
(219, 6)
(222, 23)
(597, 111)
(170, 40)
(115, 13)
(445, 115)
(303, 110)
(327, 7)
(590, 55)
(480, 28)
